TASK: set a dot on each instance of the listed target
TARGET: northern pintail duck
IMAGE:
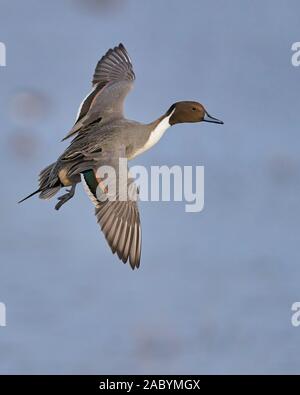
(101, 135)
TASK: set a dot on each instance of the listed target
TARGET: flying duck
(101, 136)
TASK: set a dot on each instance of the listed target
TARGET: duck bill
(209, 118)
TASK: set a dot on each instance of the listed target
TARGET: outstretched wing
(119, 219)
(113, 79)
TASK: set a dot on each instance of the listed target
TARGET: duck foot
(67, 196)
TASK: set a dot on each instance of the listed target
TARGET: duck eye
(194, 109)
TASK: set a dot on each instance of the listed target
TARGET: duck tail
(48, 186)
(27, 197)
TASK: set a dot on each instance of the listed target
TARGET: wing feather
(119, 221)
(112, 80)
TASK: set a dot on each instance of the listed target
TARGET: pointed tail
(47, 187)
(27, 197)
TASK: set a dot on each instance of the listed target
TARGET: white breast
(155, 135)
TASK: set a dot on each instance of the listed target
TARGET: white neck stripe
(156, 134)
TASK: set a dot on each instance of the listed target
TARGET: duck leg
(67, 196)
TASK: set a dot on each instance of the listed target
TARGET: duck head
(189, 111)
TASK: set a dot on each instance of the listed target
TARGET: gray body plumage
(99, 140)
(101, 135)
(97, 144)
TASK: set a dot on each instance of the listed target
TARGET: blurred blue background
(215, 289)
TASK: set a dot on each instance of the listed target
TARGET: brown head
(189, 111)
